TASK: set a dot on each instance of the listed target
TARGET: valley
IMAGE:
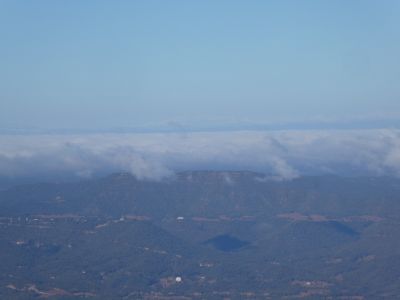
(200, 236)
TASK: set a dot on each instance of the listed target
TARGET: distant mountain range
(202, 235)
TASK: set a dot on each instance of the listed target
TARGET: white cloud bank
(282, 154)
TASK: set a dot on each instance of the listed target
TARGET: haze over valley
(179, 150)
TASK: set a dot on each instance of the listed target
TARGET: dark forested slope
(202, 235)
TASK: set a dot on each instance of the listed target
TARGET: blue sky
(107, 64)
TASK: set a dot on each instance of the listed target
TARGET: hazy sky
(104, 64)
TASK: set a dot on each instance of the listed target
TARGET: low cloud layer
(280, 154)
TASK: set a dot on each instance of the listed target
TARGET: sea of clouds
(279, 154)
